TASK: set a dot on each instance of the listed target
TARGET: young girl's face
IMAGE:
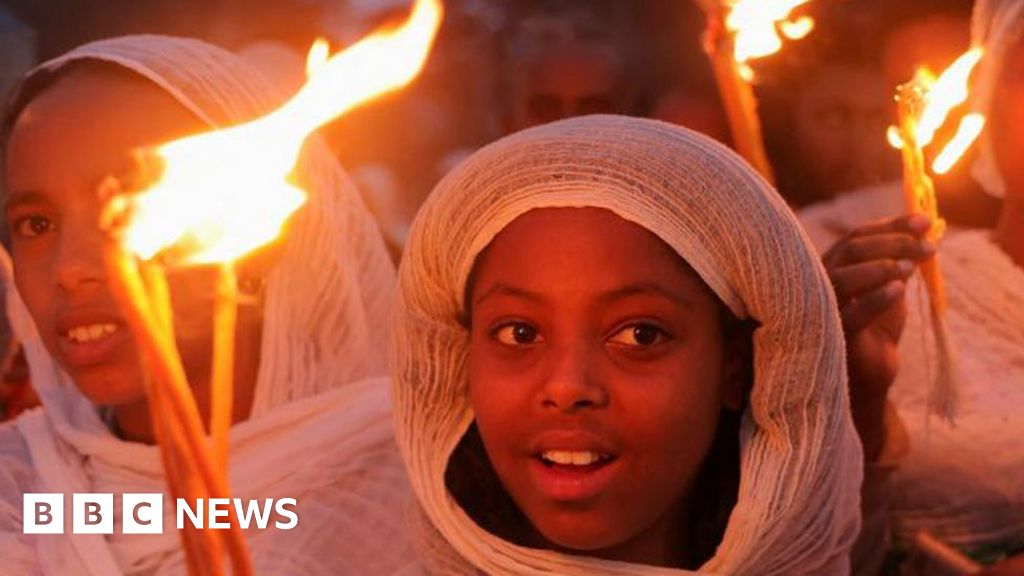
(597, 373)
(64, 143)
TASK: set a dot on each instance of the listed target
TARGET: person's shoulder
(17, 477)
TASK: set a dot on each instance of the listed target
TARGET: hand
(869, 268)
(1013, 566)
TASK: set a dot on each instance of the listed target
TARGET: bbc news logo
(144, 513)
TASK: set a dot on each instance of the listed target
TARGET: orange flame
(756, 25)
(224, 193)
(970, 128)
(939, 97)
(317, 57)
(946, 93)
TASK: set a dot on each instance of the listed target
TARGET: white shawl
(996, 25)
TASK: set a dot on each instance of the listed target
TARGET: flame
(224, 193)
(317, 57)
(797, 29)
(970, 128)
(946, 93)
(938, 97)
(895, 140)
(756, 25)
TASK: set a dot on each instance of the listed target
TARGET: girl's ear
(738, 369)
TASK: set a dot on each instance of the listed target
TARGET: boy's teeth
(571, 458)
(91, 332)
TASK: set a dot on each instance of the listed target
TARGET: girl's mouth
(577, 458)
(89, 344)
(572, 476)
(90, 332)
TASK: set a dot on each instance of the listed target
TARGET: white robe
(965, 483)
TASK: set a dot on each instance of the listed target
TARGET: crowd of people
(536, 316)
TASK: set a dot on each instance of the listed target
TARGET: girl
(574, 386)
(308, 424)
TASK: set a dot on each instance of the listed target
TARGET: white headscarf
(318, 431)
(797, 509)
(997, 25)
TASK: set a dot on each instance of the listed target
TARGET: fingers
(916, 224)
(860, 312)
(857, 280)
(882, 246)
(894, 239)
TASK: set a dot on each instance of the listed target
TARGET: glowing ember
(756, 25)
(224, 193)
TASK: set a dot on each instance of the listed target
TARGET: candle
(141, 290)
(174, 215)
(148, 316)
(221, 379)
(737, 32)
(737, 97)
(924, 105)
(945, 556)
(918, 187)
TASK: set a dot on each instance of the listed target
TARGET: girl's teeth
(91, 332)
(570, 458)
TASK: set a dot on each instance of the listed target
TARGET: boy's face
(841, 114)
(566, 82)
(64, 143)
(597, 372)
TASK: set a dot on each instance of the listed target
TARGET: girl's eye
(32, 226)
(517, 334)
(639, 335)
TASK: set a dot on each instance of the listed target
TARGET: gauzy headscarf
(797, 508)
(996, 25)
(319, 431)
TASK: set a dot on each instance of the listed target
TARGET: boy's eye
(517, 334)
(32, 226)
(642, 335)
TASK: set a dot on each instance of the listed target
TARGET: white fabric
(828, 221)
(798, 503)
(319, 431)
(996, 25)
(965, 483)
